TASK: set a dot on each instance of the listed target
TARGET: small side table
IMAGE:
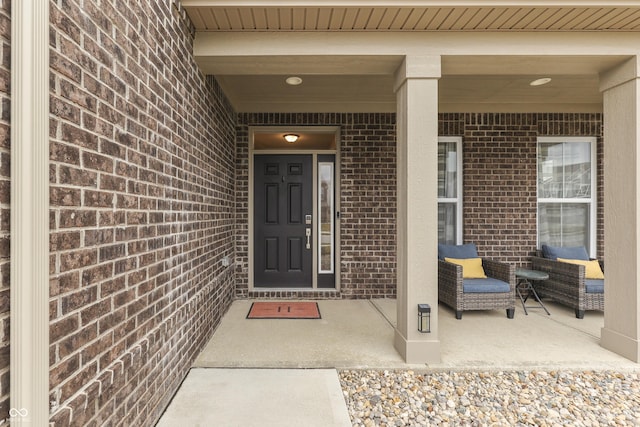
(524, 278)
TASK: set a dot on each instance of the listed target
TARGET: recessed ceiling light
(293, 80)
(540, 82)
(291, 138)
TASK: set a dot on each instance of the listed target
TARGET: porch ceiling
(468, 83)
(347, 51)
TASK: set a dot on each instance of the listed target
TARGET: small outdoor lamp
(424, 318)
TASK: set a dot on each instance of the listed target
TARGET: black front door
(283, 205)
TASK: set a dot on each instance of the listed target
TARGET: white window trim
(458, 200)
(593, 210)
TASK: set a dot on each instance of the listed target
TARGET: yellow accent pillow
(592, 268)
(471, 267)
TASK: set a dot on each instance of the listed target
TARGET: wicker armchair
(451, 288)
(567, 285)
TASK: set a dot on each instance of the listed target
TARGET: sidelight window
(450, 190)
(326, 226)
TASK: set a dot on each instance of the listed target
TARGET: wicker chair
(451, 288)
(567, 285)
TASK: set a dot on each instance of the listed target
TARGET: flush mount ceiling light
(291, 138)
(293, 80)
(540, 82)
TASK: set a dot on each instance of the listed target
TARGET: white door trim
(314, 153)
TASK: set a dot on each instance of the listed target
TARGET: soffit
(212, 15)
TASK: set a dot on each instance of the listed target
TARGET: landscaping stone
(502, 398)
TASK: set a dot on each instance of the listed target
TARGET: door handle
(308, 234)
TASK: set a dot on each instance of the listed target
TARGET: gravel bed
(501, 398)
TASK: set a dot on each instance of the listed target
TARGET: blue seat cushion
(594, 286)
(457, 251)
(573, 252)
(483, 286)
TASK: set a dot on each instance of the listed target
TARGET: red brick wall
(499, 162)
(368, 206)
(5, 183)
(142, 209)
(368, 199)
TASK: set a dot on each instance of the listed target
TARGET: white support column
(29, 373)
(416, 90)
(621, 330)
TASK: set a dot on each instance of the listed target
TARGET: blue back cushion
(470, 286)
(574, 252)
(457, 251)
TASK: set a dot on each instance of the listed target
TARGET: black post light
(424, 318)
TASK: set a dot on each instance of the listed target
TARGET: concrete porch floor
(285, 360)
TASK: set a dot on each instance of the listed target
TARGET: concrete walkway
(263, 372)
(258, 397)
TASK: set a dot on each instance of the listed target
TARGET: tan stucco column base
(417, 351)
(416, 88)
(620, 344)
(621, 102)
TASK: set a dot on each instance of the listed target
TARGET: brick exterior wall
(5, 184)
(142, 209)
(499, 173)
(367, 199)
(499, 162)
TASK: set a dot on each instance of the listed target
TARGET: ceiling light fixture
(293, 80)
(291, 138)
(540, 82)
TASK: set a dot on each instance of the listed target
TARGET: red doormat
(284, 310)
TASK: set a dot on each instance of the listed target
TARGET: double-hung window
(567, 192)
(450, 190)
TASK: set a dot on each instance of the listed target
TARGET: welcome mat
(284, 310)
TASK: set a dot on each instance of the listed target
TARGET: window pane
(564, 170)
(447, 223)
(577, 170)
(447, 170)
(549, 215)
(325, 194)
(564, 224)
(550, 170)
(575, 224)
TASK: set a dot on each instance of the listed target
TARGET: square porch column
(416, 87)
(622, 209)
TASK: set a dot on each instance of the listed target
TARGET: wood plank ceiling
(535, 18)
